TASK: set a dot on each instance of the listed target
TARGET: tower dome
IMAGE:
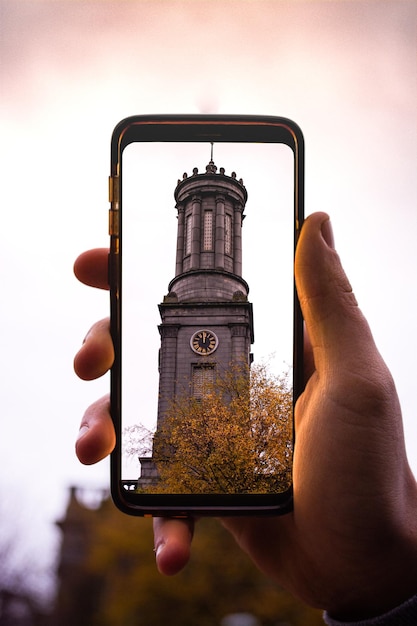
(209, 243)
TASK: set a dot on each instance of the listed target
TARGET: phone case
(206, 319)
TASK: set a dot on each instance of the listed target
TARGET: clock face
(204, 342)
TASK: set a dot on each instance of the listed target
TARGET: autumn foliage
(236, 437)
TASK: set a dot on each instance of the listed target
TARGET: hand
(350, 545)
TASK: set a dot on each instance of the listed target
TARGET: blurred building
(78, 589)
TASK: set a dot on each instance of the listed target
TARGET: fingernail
(83, 430)
(86, 337)
(327, 233)
(159, 549)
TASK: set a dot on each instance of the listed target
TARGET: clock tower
(206, 318)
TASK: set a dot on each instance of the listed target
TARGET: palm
(335, 505)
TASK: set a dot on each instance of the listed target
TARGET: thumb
(336, 327)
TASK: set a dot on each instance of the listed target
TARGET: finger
(91, 268)
(96, 355)
(172, 543)
(336, 327)
(96, 438)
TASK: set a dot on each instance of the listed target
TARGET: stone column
(237, 240)
(240, 350)
(167, 367)
(180, 241)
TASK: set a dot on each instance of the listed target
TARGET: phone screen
(207, 318)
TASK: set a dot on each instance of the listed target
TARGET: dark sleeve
(403, 615)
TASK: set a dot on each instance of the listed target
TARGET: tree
(236, 437)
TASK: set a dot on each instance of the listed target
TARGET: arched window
(188, 225)
(208, 231)
(228, 234)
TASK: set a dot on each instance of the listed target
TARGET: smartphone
(205, 213)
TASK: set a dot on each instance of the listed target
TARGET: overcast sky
(344, 71)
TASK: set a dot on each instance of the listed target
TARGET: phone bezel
(194, 128)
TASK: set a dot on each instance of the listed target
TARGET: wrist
(380, 591)
(388, 576)
(402, 615)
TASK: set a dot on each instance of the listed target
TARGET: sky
(70, 70)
